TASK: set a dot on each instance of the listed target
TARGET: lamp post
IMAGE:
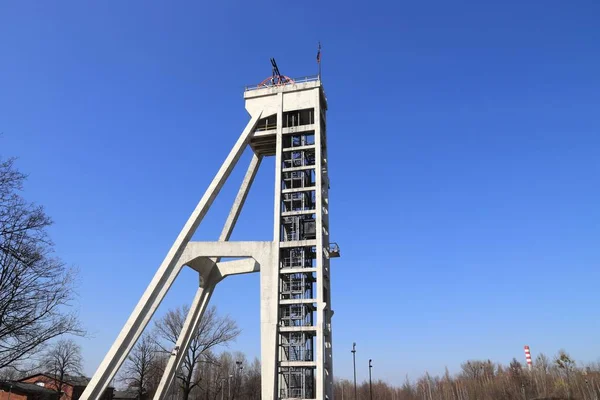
(238, 380)
(354, 362)
(229, 390)
(370, 382)
(222, 387)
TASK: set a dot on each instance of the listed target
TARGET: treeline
(204, 374)
(228, 375)
(557, 378)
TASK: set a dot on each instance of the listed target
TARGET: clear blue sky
(463, 139)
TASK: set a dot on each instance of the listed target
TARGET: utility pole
(238, 373)
(370, 382)
(354, 361)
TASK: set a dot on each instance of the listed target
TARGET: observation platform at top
(267, 88)
(282, 95)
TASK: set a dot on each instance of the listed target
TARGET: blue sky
(463, 144)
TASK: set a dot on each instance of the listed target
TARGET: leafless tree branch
(36, 289)
(214, 330)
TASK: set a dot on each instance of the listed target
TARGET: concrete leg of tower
(269, 292)
(164, 277)
(269, 277)
(197, 308)
(208, 280)
(211, 274)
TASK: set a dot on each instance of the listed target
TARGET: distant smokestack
(528, 357)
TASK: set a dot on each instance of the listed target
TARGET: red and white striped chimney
(528, 357)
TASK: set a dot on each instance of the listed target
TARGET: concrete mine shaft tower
(288, 121)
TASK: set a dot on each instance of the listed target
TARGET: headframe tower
(287, 121)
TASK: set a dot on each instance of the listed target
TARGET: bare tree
(10, 374)
(223, 378)
(36, 288)
(542, 368)
(485, 380)
(140, 367)
(566, 365)
(238, 374)
(251, 388)
(155, 371)
(214, 330)
(63, 359)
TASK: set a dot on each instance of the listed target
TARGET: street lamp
(229, 390)
(222, 388)
(238, 380)
(354, 362)
(370, 382)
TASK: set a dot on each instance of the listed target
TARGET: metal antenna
(277, 77)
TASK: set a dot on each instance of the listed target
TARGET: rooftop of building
(73, 380)
(125, 394)
(27, 388)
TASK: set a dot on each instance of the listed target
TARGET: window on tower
(299, 117)
(267, 123)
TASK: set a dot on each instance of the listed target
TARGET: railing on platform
(311, 78)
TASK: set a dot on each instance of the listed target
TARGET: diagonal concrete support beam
(240, 199)
(164, 277)
(211, 272)
(197, 309)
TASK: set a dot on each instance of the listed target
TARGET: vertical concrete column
(269, 283)
(327, 312)
(320, 345)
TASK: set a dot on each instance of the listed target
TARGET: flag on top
(319, 54)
